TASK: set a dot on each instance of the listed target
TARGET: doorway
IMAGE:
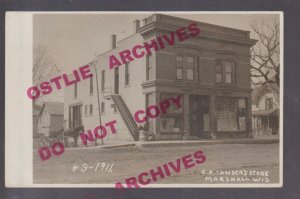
(199, 115)
(75, 119)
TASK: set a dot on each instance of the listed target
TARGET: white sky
(73, 39)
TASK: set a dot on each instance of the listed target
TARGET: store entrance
(199, 115)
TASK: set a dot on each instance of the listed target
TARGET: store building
(211, 71)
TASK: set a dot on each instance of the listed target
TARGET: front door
(199, 115)
(75, 116)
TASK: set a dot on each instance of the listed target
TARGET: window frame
(86, 110)
(269, 102)
(102, 108)
(75, 91)
(223, 71)
(127, 74)
(190, 67)
(103, 80)
(179, 67)
(91, 85)
(91, 109)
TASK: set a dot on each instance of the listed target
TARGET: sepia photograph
(155, 99)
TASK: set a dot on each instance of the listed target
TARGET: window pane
(126, 74)
(242, 103)
(178, 61)
(190, 62)
(228, 78)
(228, 66)
(75, 90)
(219, 77)
(227, 118)
(173, 108)
(190, 74)
(178, 58)
(206, 122)
(91, 85)
(102, 80)
(269, 103)
(179, 73)
(102, 107)
(171, 124)
(91, 109)
(218, 68)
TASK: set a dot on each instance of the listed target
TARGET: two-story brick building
(210, 71)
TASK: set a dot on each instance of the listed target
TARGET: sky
(73, 39)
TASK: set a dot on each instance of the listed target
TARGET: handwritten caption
(101, 166)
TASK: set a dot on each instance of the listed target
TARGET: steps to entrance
(127, 116)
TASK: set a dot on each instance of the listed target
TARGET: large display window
(172, 121)
(231, 114)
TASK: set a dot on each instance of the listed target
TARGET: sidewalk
(207, 142)
(165, 143)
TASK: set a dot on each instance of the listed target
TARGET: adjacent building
(211, 72)
(51, 118)
(265, 109)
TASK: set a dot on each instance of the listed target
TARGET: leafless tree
(43, 65)
(265, 55)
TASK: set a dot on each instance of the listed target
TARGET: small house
(265, 109)
(51, 118)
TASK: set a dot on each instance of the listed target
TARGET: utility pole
(99, 111)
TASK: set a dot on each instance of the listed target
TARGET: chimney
(113, 40)
(136, 26)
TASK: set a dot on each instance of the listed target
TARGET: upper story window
(102, 80)
(190, 63)
(91, 109)
(268, 103)
(179, 67)
(149, 67)
(102, 107)
(91, 85)
(127, 74)
(75, 90)
(225, 72)
(228, 72)
(86, 110)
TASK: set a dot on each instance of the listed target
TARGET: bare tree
(43, 65)
(265, 55)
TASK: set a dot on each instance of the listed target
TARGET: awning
(272, 112)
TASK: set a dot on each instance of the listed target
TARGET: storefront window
(231, 114)
(173, 108)
(172, 121)
(171, 124)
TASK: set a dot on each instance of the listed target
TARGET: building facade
(211, 72)
(51, 118)
(265, 109)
